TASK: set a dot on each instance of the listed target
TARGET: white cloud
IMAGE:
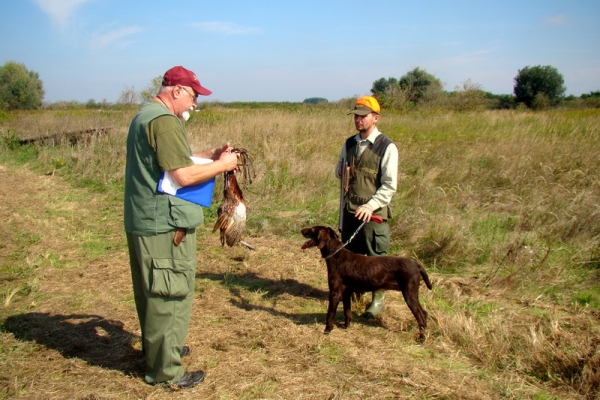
(560, 19)
(224, 28)
(113, 37)
(60, 11)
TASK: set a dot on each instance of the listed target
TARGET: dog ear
(332, 234)
(322, 238)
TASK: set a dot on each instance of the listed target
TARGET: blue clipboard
(201, 193)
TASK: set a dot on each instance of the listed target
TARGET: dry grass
(503, 208)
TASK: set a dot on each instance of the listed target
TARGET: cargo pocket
(171, 278)
(381, 236)
(184, 213)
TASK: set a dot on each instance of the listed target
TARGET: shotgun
(343, 189)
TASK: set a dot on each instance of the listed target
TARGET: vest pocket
(185, 214)
(171, 278)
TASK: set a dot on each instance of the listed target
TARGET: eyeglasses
(193, 97)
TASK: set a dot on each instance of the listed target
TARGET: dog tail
(425, 276)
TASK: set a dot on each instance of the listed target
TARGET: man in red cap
(161, 229)
(372, 170)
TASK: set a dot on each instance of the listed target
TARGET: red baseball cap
(184, 77)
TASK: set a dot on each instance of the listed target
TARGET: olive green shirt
(156, 142)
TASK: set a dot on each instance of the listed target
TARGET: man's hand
(364, 212)
(217, 153)
(230, 159)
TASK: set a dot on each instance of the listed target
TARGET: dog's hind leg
(412, 301)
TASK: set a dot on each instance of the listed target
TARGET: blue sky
(290, 50)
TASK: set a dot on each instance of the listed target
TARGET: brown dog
(349, 273)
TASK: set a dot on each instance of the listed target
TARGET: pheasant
(232, 211)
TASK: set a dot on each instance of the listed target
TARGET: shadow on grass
(92, 338)
(297, 318)
(252, 282)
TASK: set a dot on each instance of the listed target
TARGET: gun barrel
(343, 189)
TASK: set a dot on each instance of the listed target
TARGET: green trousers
(163, 277)
(372, 240)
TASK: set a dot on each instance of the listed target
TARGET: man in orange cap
(372, 170)
(160, 228)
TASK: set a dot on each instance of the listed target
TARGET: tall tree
(128, 96)
(534, 85)
(420, 86)
(388, 93)
(152, 89)
(382, 85)
(20, 89)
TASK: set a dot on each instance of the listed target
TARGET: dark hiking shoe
(190, 379)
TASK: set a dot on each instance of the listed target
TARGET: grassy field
(502, 208)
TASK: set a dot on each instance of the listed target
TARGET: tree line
(535, 87)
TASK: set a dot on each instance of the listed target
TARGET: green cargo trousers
(372, 240)
(163, 277)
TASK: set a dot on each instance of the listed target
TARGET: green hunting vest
(146, 211)
(365, 174)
